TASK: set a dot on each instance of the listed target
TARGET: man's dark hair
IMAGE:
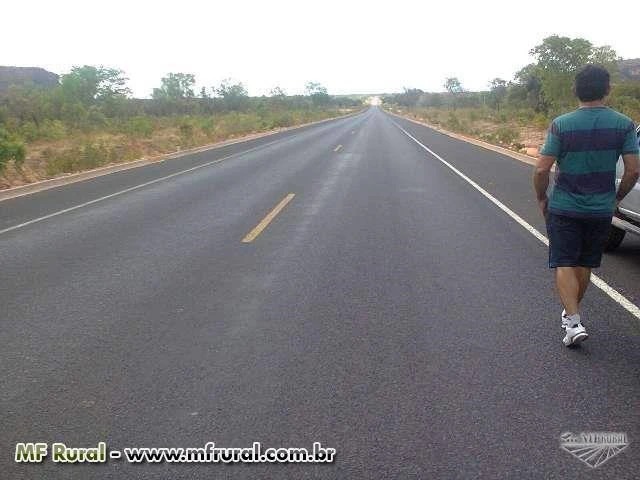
(592, 83)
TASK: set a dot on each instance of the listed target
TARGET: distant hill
(26, 75)
(630, 69)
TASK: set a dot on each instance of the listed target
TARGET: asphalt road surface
(389, 310)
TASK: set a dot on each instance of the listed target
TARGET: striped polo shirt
(587, 144)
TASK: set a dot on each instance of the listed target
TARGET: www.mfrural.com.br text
(38, 452)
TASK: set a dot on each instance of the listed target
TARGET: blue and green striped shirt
(587, 144)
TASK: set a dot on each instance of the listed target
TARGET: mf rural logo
(594, 448)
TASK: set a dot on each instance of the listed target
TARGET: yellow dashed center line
(251, 236)
(337, 148)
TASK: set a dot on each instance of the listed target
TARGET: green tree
(410, 97)
(277, 92)
(175, 86)
(88, 84)
(605, 55)
(28, 103)
(562, 54)
(559, 58)
(234, 94)
(528, 87)
(431, 100)
(317, 93)
(498, 92)
(453, 85)
(608, 58)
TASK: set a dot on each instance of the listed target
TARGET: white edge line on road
(136, 187)
(596, 280)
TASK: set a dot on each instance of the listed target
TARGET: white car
(627, 218)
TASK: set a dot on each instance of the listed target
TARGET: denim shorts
(576, 242)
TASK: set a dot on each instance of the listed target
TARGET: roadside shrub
(75, 115)
(240, 123)
(95, 117)
(187, 130)
(489, 137)
(94, 155)
(10, 149)
(88, 156)
(284, 119)
(138, 127)
(523, 117)
(47, 130)
(453, 122)
(507, 135)
(52, 130)
(29, 131)
(61, 162)
(541, 121)
(501, 117)
(628, 105)
(208, 126)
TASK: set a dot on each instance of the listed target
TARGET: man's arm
(630, 176)
(541, 180)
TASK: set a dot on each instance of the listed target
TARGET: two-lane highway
(334, 284)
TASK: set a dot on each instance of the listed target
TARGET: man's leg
(565, 246)
(584, 277)
(570, 288)
(568, 284)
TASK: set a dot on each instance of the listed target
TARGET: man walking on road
(586, 144)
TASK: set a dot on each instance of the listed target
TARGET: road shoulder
(494, 148)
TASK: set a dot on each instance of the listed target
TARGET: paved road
(389, 311)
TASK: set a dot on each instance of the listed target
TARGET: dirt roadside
(527, 155)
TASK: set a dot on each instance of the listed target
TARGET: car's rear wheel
(616, 235)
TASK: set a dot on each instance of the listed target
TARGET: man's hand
(541, 181)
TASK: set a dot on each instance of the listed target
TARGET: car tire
(616, 235)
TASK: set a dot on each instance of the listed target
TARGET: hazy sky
(348, 46)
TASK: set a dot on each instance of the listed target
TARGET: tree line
(544, 86)
(94, 98)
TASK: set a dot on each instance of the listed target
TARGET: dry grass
(521, 131)
(79, 151)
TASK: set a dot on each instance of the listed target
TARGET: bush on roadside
(138, 127)
(541, 121)
(629, 105)
(10, 149)
(208, 126)
(284, 119)
(187, 130)
(46, 130)
(85, 157)
(507, 135)
(453, 122)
